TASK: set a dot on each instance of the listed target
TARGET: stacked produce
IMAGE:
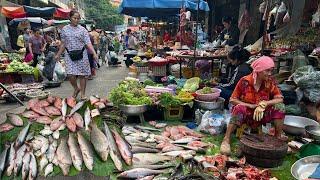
(17, 66)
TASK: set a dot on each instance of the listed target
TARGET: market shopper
(230, 35)
(76, 41)
(95, 36)
(104, 43)
(257, 100)
(37, 45)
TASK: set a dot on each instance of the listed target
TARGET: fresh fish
(75, 152)
(64, 156)
(64, 108)
(179, 153)
(44, 120)
(139, 173)
(22, 136)
(43, 103)
(5, 127)
(185, 140)
(197, 149)
(147, 178)
(143, 144)
(56, 123)
(39, 110)
(76, 107)
(100, 142)
(131, 139)
(140, 136)
(38, 153)
(43, 162)
(137, 149)
(46, 131)
(71, 125)
(100, 105)
(52, 150)
(38, 142)
(11, 158)
(25, 165)
(62, 127)
(52, 111)
(32, 103)
(114, 153)
(171, 148)
(33, 167)
(148, 158)
(30, 136)
(3, 158)
(93, 100)
(58, 103)
(155, 166)
(147, 128)
(51, 99)
(160, 125)
(78, 120)
(94, 113)
(71, 101)
(87, 118)
(30, 115)
(48, 169)
(44, 147)
(15, 119)
(123, 147)
(19, 157)
(126, 130)
(86, 151)
(56, 134)
(160, 138)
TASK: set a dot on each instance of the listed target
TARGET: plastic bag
(286, 18)
(192, 84)
(212, 123)
(59, 72)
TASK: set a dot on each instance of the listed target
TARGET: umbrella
(34, 21)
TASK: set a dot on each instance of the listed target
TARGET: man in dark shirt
(230, 34)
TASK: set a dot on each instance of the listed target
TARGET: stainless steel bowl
(295, 125)
(313, 132)
(304, 167)
(133, 110)
(217, 104)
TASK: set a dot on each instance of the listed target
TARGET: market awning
(159, 8)
(62, 13)
(13, 12)
(39, 12)
(34, 21)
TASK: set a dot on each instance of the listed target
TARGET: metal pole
(15, 97)
(196, 39)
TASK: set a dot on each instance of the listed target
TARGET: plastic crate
(173, 113)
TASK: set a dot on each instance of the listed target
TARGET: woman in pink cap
(257, 100)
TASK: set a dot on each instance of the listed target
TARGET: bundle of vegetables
(15, 57)
(17, 66)
(129, 92)
(168, 100)
(207, 90)
(185, 96)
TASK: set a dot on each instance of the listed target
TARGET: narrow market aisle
(106, 79)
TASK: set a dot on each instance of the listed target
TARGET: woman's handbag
(76, 55)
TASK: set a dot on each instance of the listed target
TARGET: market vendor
(230, 35)
(236, 69)
(257, 100)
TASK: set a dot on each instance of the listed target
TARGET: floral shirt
(246, 92)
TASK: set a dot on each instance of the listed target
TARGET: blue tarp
(159, 8)
(39, 12)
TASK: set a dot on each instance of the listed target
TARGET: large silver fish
(76, 108)
(139, 173)
(43, 162)
(19, 157)
(114, 152)
(123, 147)
(22, 136)
(138, 149)
(155, 166)
(87, 118)
(33, 167)
(64, 156)
(148, 158)
(3, 157)
(100, 142)
(52, 150)
(26, 165)
(11, 158)
(48, 170)
(15, 119)
(75, 152)
(86, 151)
(64, 108)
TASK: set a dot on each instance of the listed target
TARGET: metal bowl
(295, 125)
(133, 110)
(217, 104)
(313, 132)
(304, 167)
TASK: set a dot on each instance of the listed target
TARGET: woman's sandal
(76, 93)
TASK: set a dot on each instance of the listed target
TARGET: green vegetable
(206, 90)
(16, 66)
(149, 82)
(167, 100)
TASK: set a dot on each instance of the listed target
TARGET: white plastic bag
(280, 13)
(59, 72)
(286, 18)
(212, 123)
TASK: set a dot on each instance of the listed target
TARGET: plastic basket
(173, 113)
(159, 70)
(142, 69)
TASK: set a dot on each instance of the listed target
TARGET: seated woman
(236, 69)
(257, 100)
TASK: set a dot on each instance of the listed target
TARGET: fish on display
(15, 119)
(143, 144)
(11, 158)
(147, 128)
(114, 153)
(93, 100)
(100, 142)
(185, 140)
(71, 101)
(30, 115)
(51, 99)
(100, 105)
(76, 107)
(137, 149)
(48, 169)
(86, 151)
(179, 153)
(78, 120)
(52, 150)
(39, 110)
(19, 158)
(5, 127)
(155, 166)
(149, 158)
(58, 103)
(75, 152)
(43, 162)
(197, 149)
(33, 167)
(46, 131)
(43, 103)
(32, 103)
(147, 178)
(56, 134)
(171, 148)
(52, 111)
(3, 158)
(123, 147)
(22, 136)
(94, 113)
(71, 125)
(139, 173)
(44, 120)
(25, 165)
(64, 108)
(56, 123)
(87, 118)
(126, 130)
(64, 157)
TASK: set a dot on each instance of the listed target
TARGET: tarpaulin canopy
(13, 12)
(39, 12)
(62, 13)
(159, 8)
(34, 21)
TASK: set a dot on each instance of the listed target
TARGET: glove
(259, 111)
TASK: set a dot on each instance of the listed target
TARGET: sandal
(76, 93)
(84, 98)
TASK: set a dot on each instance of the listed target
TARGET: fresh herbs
(167, 100)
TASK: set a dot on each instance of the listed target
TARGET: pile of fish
(13, 120)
